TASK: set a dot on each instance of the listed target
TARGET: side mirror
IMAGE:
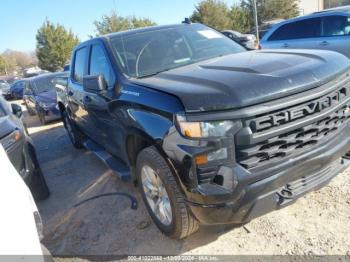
(94, 84)
(17, 110)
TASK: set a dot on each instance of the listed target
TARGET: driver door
(99, 120)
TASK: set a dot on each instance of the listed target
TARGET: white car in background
(327, 30)
(20, 223)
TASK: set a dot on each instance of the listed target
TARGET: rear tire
(182, 222)
(39, 187)
(37, 184)
(75, 136)
(42, 118)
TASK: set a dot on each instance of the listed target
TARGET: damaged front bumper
(240, 195)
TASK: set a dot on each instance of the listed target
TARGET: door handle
(324, 43)
(285, 45)
(70, 93)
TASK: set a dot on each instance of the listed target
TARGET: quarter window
(336, 25)
(79, 65)
(307, 28)
(99, 64)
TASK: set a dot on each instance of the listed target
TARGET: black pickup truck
(210, 132)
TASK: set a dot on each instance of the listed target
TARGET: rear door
(301, 34)
(336, 34)
(75, 92)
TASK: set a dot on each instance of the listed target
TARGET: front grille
(294, 142)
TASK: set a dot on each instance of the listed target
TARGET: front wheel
(74, 134)
(39, 187)
(162, 196)
(29, 109)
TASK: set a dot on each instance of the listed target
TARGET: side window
(99, 64)
(307, 28)
(79, 65)
(336, 25)
(27, 89)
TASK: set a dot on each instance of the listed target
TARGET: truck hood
(247, 78)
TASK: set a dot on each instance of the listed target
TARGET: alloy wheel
(156, 195)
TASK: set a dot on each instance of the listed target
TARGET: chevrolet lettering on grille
(310, 108)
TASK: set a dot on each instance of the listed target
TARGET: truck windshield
(151, 52)
(43, 84)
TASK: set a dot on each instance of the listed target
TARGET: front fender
(154, 126)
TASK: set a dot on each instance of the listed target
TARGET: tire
(42, 118)
(38, 186)
(37, 183)
(29, 110)
(182, 222)
(75, 136)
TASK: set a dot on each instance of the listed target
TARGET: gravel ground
(317, 224)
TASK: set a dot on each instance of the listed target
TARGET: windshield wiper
(153, 74)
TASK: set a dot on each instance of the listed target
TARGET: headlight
(11, 139)
(205, 129)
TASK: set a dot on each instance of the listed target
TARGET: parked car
(265, 26)
(20, 222)
(247, 40)
(17, 89)
(20, 149)
(40, 97)
(5, 89)
(212, 133)
(328, 30)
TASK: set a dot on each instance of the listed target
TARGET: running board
(116, 165)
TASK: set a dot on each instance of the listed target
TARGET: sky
(20, 19)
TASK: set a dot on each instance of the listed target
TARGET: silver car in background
(5, 88)
(247, 40)
(328, 29)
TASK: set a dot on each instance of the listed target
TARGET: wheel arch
(61, 107)
(135, 142)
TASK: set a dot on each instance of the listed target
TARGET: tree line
(11, 60)
(55, 42)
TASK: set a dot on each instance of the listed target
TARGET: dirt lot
(316, 224)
